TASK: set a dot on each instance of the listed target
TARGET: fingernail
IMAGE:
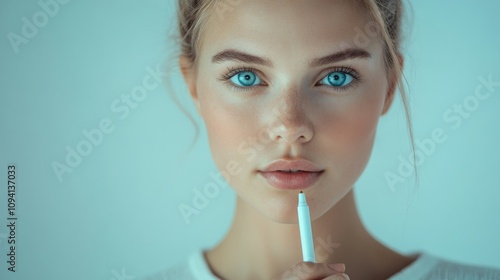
(337, 266)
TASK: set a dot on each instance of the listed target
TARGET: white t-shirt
(426, 267)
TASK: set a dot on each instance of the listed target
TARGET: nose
(290, 122)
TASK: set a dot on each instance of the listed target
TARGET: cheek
(231, 131)
(347, 133)
(346, 137)
(356, 127)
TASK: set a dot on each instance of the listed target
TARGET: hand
(313, 271)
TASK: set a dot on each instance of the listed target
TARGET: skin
(289, 114)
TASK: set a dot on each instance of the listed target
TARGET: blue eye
(337, 79)
(245, 79)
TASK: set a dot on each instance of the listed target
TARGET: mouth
(291, 179)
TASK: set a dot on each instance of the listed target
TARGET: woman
(297, 85)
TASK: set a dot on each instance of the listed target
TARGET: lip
(300, 164)
(276, 175)
(291, 181)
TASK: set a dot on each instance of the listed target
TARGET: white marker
(306, 237)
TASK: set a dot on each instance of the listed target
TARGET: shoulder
(452, 270)
(430, 267)
(192, 268)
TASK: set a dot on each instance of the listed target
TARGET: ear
(392, 86)
(189, 75)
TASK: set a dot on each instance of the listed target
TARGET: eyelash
(231, 71)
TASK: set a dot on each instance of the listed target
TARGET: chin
(280, 209)
(283, 218)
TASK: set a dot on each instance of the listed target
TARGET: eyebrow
(235, 55)
(339, 56)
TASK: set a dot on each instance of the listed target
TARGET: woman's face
(287, 103)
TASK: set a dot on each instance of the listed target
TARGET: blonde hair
(387, 14)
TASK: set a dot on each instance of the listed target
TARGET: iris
(338, 79)
(245, 79)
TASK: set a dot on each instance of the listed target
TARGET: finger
(339, 276)
(337, 266)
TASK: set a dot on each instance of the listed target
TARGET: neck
(271, 248)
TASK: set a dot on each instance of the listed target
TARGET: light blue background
(117, 212)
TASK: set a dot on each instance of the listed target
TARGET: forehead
(291, 25)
